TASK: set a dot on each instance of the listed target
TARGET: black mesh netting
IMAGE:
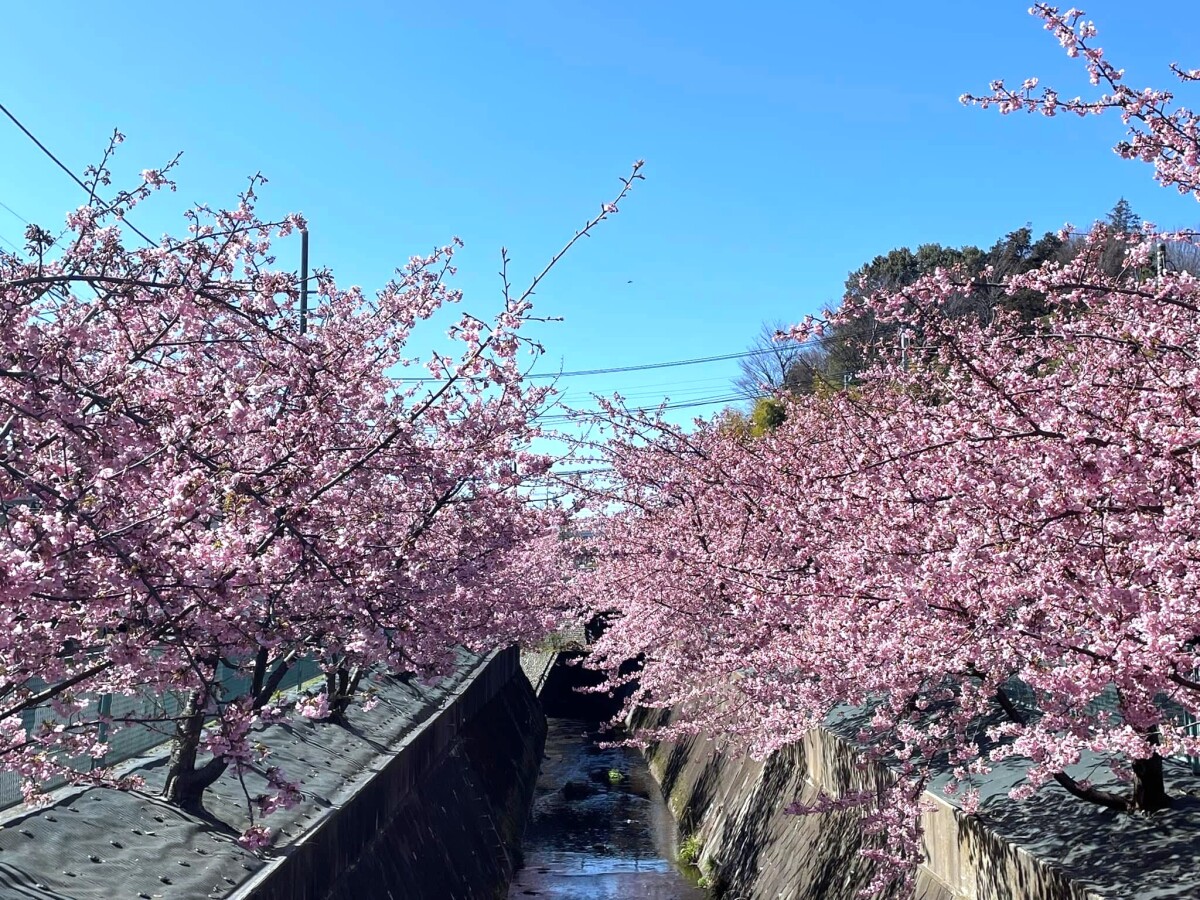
(100, 843)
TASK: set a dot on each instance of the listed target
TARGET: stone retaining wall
(1050, 848)
(421, 797)
(440, 817)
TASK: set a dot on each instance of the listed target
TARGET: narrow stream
(599, 829)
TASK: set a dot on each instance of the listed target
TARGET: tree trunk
(1144, 773)
(185, 783)
(341, 686)
(1149, 791)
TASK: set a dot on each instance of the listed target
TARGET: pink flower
(256, 838)
(315, 707)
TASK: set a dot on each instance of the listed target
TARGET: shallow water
(599, 829)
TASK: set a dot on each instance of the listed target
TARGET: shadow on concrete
(1151, 857)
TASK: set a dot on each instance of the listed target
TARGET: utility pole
(303, 280)
(1160, 260)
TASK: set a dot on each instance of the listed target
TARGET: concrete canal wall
(423, 797)
(1048, 848)
(442, 814)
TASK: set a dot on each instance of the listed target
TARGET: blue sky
(785, 143)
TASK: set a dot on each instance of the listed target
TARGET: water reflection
(599, 827)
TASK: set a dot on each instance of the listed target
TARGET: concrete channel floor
(599, 829)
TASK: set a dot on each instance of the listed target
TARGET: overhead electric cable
(685, 404)
(642, 367)
(615, 370)
(651, 395)
(15, 215)
(14, 212)
(58, 162)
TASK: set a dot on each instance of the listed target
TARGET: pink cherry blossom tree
(989, 545)
(192, 484)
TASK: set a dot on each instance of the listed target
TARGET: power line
(652, 393)
(615, 370)
(29, 134)
(58, 162)
(14, 212)
(16, 215)
(642, 367)
(683, 404)
(649, 386)
(707, 380)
